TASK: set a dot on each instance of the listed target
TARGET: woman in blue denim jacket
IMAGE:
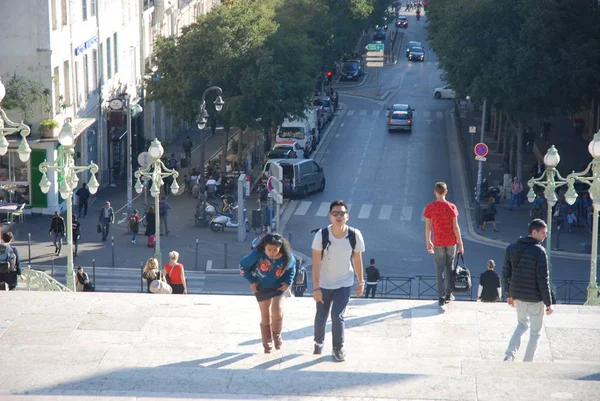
(270, 270)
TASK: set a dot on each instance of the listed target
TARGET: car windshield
(291, 132)
(379, 30)
(350, 66)
(402, 18)
(283, 147)
(416, 50)
(400, 116)
(398, 107)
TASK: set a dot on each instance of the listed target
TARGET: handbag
(160, 287)
(461, 276)
(99, 228)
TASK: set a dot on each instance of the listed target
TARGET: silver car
(400, 121)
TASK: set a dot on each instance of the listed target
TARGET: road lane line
(376, 113)
(350, 112)
(365, 211)
(363, 113)
(406, 213)
(385, 213)
(426, 113)
(439, 114)
(349, 206)
(302, 208)
(323, 209)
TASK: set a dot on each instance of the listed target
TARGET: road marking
(323, 209)
(376, 113)
(349, 206)
(406, 213)
(337, 135)
(423, 217)
(350, 112)
(342, 124)
(439, 114)
(426, 113)
(208, 265)
(302, 208)
(363, 113)
(365, 211)
(386, 212)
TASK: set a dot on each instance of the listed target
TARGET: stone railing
(35, 280)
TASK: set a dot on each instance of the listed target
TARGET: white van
(299, 131)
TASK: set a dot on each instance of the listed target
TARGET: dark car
(416, 53)
(352, 69)
(281, 153)
(402, 21)
(400, 120)
(379, 33)
(412, 44)
(401, 107)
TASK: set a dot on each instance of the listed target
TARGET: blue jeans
(336, 302)
(515, 198)
(444, 258)
(527, 312)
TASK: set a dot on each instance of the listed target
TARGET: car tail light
(409, 122)
(391, 121)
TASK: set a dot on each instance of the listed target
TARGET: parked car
(400, 107)
(352, 69)
(412, 44)
(379, 33)
(402, 21)
(399, 120)
(444, 92)
(300, 131)
(325, 103)
(287, 150)
(416, 53)
(301, 177)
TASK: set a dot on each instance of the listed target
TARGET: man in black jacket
(57, 226)
(83, 195)
(526, 281)
(373, 277)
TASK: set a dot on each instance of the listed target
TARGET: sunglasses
(338, 214)
(274, 239)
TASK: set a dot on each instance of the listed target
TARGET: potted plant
(49, 128)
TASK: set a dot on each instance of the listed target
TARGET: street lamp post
(155, 173)
(68, 170)
(549, 180)
(571, 196)
(7, 127)
(203, 118)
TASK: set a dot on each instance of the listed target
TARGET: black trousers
(83, 205)
(371, 288)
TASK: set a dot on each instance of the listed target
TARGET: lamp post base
(593, 298)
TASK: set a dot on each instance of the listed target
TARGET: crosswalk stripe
(423, 217)
(386, 212)
(365, 211)
(302, 208)
(376, 113)
(439, 114)
(349, 206)
(323, 209)
(363, 113)
(406, 213)
(426, 113)
(350, 112)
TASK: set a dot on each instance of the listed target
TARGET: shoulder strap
(324, 240)
(352, 237)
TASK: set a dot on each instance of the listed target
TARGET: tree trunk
(497, 126)
(520, 150)
(226, 129)
(239, 152)
(501, 133)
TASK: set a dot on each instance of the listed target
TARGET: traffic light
(329, 76)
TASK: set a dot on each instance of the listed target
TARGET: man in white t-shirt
(333, 275)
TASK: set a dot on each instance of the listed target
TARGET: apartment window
(14, 178)
(56, 81)
(116, 48)
(94, 69)
(108, 59)
(76, 83)
(54, 19)
(101, 64)
(86, 76)
(66, 80)
(63, 11)
(84, 9)
(93, 8)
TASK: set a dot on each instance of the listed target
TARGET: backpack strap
(352, 237)
(324, 240)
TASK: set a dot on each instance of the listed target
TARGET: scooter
(219, 222)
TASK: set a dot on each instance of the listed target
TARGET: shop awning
(80, 125)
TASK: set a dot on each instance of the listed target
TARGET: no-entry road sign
(481, 149)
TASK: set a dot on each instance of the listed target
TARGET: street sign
(375, 54)
(270, 186)
(276, 171)
(144, 160)
(375, 64)
(481, 149)
(472, 129)
(480, 158)
(375, 47)
(374, 59)
(278, 198)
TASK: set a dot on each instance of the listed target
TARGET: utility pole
(129, 158)
(480, 164)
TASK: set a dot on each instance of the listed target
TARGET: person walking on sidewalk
(134, 224)
(373, 277)
(76, 227)
(526, 282)
(490, 214)
(187, 149)
(57, 227)
(83, 195)
(106, 218)
(11, 268)
(163, 210)
(442, 216)
(337, 256)
(489, 289)
(150, 218)
(300, 279)
(270, 269)
(516, 189)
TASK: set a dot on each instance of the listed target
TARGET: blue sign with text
(82, 48)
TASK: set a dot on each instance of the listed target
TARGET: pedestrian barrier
(395, 287)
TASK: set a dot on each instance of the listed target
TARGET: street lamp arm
(212, 88)
(16, 127)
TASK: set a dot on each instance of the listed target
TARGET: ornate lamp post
(203, 118)
(548, 180)
(571, 197)
(155, 173)
(65, 166)
(24, 150)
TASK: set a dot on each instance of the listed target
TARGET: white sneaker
(133, 241)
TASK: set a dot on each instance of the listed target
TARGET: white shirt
(336, 265)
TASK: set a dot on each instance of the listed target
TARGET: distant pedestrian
(134, 224)
(176, 274)
(10, 268)
(187, 149)
(270, 270)
(526, 282)
(516, 190)
(337, 256)
(172, 162)
(489, 284)
(373, 278)
(300, 279)
(150, 218)
(442, 216)
(76, 232)
(163, 211)
(57, 228)
(106, 218)
(490, 214)
(151, 272)
(83, 195)
(538, 169)
(528, 139)
(82, 282)
(571, 218)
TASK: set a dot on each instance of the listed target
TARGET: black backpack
(8, 259)
(325, 239)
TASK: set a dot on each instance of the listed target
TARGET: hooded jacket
(525, 272)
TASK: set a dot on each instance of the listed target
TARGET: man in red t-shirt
(442, 216)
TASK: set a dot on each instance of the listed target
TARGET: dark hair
(7, 237)
(536, 225)
(79, 267)
(277, 240)
(372, 261)
(337, 203)
(440, 188)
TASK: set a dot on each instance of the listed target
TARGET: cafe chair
(20, 212)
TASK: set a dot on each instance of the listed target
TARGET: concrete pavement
(111, 346)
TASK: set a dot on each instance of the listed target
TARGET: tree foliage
(523, 55)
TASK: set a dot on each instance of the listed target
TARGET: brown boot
(276, 327)
(267, 339)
